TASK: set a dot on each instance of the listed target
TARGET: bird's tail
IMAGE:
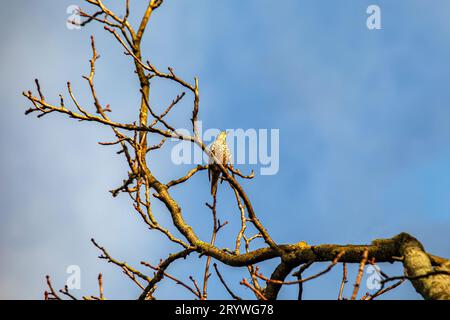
(214, 181)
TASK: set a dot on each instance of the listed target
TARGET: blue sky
(363, 118)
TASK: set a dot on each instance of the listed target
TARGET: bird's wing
(211, 160)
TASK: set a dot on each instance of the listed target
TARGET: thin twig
(327, 269)
(384, 290)
(100, 285)
(234, 296)
(255, 291)
(344, 280)
(52, 291)
(299, 274)
(360, 273)
(66, 292)
(195, 292)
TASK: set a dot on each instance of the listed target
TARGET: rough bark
(417, 264)
(420, 267)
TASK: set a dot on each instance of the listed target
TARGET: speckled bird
(221, 152)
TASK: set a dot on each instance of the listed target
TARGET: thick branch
(417, 263)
